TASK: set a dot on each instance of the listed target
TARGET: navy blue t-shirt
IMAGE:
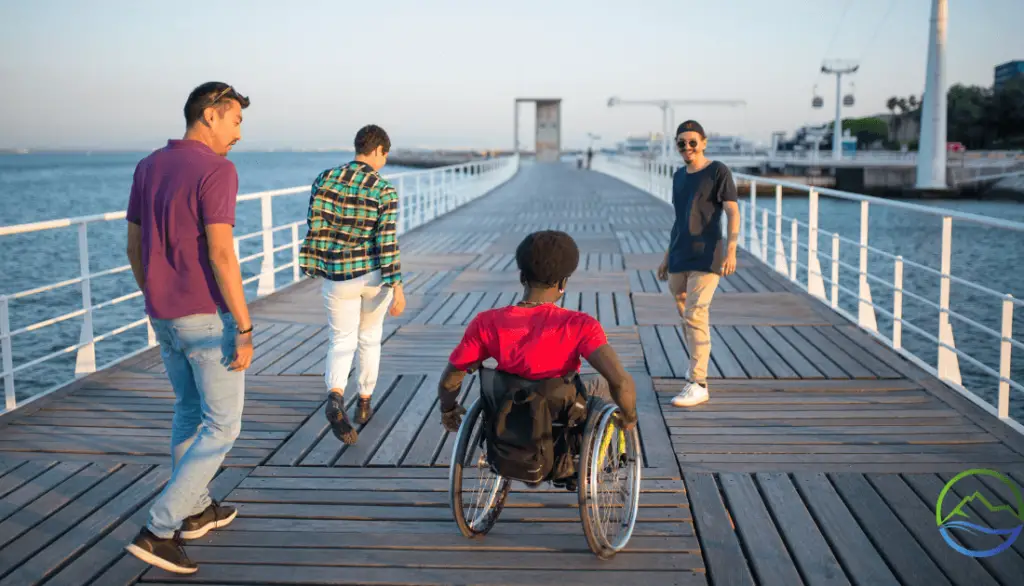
(697, 231)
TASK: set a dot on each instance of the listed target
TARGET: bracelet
(246, 331)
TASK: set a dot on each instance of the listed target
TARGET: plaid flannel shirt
(352, 219)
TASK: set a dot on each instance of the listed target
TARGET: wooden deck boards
(817, 461)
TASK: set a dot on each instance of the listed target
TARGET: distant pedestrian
(352, 244)
(590, 156)
(181, 214)
(697, 257)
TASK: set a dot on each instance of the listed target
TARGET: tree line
(979, 117)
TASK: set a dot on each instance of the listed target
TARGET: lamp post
(666, 107)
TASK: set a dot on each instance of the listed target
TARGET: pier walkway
(818, 460)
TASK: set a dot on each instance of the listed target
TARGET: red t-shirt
(532, 342)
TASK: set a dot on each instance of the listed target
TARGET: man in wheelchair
(535, 402)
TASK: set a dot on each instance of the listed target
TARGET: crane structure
(666, 109)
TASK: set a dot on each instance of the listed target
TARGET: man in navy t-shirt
(697, 257)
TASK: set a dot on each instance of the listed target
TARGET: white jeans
(355, 314)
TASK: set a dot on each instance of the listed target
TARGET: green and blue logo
(1008, 517)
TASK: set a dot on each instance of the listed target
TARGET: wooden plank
(838, 355)
(297, 540)
(43, 507)
(877, 367)
(796, 361)
(446, 310)
(854, 550)
(728, 364)
(919, 519)
(624, 309)
(811, 353)
(726, 561)
(1008, 566)
(775, 363)
(606, 310)
(678, 356)
(79, 537)
(744, 354)
(807, 545)
(23, 474)
(443, 513)
(902, 552)
(654, 435)
(384, 417)
(127, 569)
(764, 549)
(286, 574)
(654, 354)
(41, 484)
(971, 411)
(328, 447)
(415, 415)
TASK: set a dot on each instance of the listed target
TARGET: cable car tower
(837, 68)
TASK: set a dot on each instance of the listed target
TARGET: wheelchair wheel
(477, 494)
(609, 482)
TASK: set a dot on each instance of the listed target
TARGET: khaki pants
(693, 291)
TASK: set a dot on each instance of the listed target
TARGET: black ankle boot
(340, 425)
(363, 411)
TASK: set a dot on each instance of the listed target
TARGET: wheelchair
(608, 468)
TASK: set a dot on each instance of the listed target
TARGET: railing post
(296, 272)
(815, 283)
(85, 361)
(865, 307)
(1004, 357)
(948, 364)
(835, 269)
(266, 281)
(752, 244)
(780, 249)
(764, 236)
(7, 364)
(897, 304)
(403, 216)
(793, 250)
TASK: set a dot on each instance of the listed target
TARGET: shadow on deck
(818, 460)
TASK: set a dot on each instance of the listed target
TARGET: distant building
(1008, 71)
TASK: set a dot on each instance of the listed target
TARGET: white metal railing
(424, 195)
(759, 236)
(982, 161)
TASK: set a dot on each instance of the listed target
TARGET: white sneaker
(692, 394)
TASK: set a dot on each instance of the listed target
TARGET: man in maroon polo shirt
(181, 214)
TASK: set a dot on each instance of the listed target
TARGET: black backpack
(519, 415)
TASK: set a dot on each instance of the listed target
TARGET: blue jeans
(196, 352)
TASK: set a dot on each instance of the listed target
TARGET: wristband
(246, 331)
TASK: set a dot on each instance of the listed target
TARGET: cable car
(848, 100)
(817, 102)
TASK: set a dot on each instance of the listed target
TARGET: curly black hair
(547, 257)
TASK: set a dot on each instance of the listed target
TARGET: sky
(114, 74)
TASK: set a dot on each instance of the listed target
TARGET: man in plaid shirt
(352, 244)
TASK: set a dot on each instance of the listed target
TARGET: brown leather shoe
(363, 411)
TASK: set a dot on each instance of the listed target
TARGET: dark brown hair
(211, 93)
(369, 138)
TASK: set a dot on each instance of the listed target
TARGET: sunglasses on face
(682, 143)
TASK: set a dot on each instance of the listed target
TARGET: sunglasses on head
(682, 143)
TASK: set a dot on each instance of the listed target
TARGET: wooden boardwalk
(818, 460)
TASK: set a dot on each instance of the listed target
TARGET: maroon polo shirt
(177, 191)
